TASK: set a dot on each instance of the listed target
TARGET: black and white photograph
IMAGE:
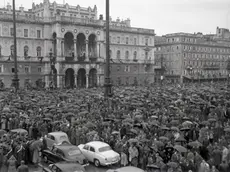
(115, 86)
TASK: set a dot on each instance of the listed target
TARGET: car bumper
(111, 163)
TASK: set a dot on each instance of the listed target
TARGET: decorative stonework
(32, 32)
(87, 32)
(75, 30)
(6, 30)
(62, 30)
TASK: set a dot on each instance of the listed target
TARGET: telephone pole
(15, 80)
(108, 85)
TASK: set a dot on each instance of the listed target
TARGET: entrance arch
(81, 45)
(93, 77)
(81, 78)
(69, 78)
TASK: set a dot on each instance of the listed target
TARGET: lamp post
(15, 80)
(108, 85)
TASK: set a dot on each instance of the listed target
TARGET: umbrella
(154, 117)
(175, 129)
(187, 123)
(195, 144)
(180, 148)
(184, 129)
(133, 140)
(227, 129)
(2, 132)
(115, 132)
(212, 120)
(180, 139)
(89, 125)
(165, 128)
(163, 138)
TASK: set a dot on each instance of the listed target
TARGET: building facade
(65, 45)
(194, 57)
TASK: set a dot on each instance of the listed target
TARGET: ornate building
(193, 57)
(65, 45)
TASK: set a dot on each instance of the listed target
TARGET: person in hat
(12, 164)
(23, 167)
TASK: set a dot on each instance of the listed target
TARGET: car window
(103, 149)
(92, 149)
(51, 137)
(86, 147)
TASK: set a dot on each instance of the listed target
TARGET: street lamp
(15, 80)
(108, 85)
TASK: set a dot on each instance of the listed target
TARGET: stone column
(75, 80)
(75, 48)
(58, 81)
(87, 49)
(47, 81)
(98, 49)
(87, 80)
(98, 80)
(58, 47)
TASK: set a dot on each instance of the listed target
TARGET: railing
(75, 20)
(69, 59)
(24, 18)
(211, 67)
(132, 29)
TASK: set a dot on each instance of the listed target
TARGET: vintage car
(56, 138)
(99, 153)
(64, 152)
(64, 167)
(126, 169)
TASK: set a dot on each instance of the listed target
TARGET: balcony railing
(81, 58)
(69, 59)
(211, 67)
(93, 58)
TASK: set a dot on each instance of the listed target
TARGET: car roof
(57, 133)
(68, 166)
(97, 144)
(129, 169)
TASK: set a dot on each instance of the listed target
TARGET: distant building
(182, 57)
(65, 45)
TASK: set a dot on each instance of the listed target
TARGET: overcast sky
(165, 16)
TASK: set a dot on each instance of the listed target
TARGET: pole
(162, 71)
(108, 85)
(15, 80)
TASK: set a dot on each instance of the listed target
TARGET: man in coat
(23, 167)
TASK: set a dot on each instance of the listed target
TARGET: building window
(146, 54)
(11, 31)
(12, 50)
(127, 40)
(126, 68)
(146, 41)
(27, 69)
(110, 53)
(127, 55)
(25, 33)
(0, 51)
(39, 52)
(118, 54)
(39, 69)
(38, 34)
(135, 55)
(118, 68)
(12, 70)
(135, 68)
(118, 40)
(135, 41)
(26, 49)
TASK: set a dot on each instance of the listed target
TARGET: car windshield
(104, 149)
(74, 152)
(63, 138)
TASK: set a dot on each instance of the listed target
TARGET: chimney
(8, 7)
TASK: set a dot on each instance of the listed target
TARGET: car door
(91, 153)
(60, 156)
(85, 151)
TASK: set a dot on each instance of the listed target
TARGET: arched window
(39, 52)
(127, 55)
(0, 50)
(12, 50)
(135, 55)
(26, 49)
(118, 54)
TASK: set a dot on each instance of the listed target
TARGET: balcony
(69, 59)
(93, 58)
(135, 60)
(81, 58)
(211, 67)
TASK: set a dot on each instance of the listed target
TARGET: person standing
(12, 164)
(23, 167)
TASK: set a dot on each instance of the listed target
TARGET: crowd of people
(172, 128)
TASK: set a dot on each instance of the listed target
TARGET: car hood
(109, 154)
(80, 157)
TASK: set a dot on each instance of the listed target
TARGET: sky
(164, 16)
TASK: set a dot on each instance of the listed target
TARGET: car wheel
(45, 159)
(96, 162)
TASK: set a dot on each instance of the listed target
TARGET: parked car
(56, 138)
(64, 167)
(127, 169)
(99, 153)
(64, 152)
